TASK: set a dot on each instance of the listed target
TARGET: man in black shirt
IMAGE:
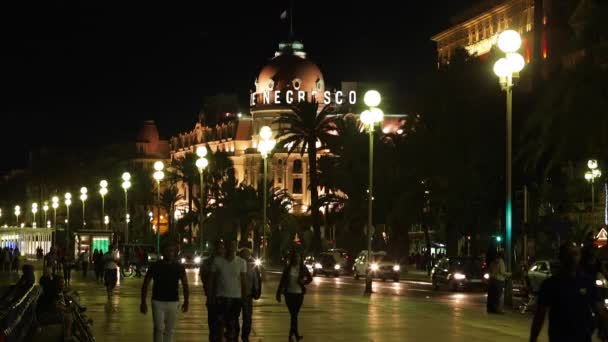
(166, 274)
(571, 297)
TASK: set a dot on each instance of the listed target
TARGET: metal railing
(18, 314)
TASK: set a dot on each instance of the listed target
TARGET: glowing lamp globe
(126, 185)
(158, 175)
(83, 190)
(45, 207)
(202, 163)
(103, 183)
(509, 41)
(83, 197)
(55, 205)
(55, 199)
(103, 191)
(266, 133)
(516, 61)
(68, 202)
(159, 166)
(592, 164)
(366, 117)
(68, 196)
(596, 173)
(372, 98)
(377, 115)
(201, 151)
(502, 68)
(588, 175)
(126, 176)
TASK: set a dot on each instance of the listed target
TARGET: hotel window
(297, 166)
(297, 186)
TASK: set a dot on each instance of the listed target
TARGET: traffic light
(498, 238)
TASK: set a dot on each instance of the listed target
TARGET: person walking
(496, 282)
(16, 260)
(571, 297)
(217, 250)
(110, 272)
(227, 289)
(85, 262)
(165, 275)
(292, 285)
(253, 290)
(99, 265)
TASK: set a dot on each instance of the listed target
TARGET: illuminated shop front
(28, 240)
(90, 240)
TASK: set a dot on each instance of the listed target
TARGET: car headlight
(375, 267)
(197, 260)
(599, 282)
(336, 267)
(183, 260)
(486, 276)
(149, 258)
(257, 262)
(317, 265)
(459, 276)
(396, 268)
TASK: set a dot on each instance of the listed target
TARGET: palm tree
(300, 130)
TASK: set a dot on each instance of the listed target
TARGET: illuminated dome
(290, 70)
(148, 134)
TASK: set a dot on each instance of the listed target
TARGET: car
(543, 269)
(328, 265)
(342, 256)
(457, 273)
(190, 259)
(309, 262)
(382, 266)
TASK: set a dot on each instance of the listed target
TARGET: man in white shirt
(227, 289)
(110, 270)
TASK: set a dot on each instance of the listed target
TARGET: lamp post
(83, 198)
(590, 176)
(201, 164)
(17, 213)
(103, 191)
(45, 208)
(158, 176)
(55, 205)
(126, 184)
(265, 146)
(369, 118)
(507, 69)
(67, 202)
(34, 211)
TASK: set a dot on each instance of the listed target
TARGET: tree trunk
(314, 195)
(190, 200)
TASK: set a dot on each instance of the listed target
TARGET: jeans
(495, 288)
(247, 317)
(229, 312)
(85, 268)
(294, 303)
(213, 322)
(165, 316)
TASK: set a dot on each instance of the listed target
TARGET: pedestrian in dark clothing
(253, 289)
(85, 263)
(496, 282)
(67, 264)
(571, 298)
(166, 275)
(212, 307)
(293, 283)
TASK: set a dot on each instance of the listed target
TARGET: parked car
(328, 265)
(344, 258)
(381, 266)
(459, 273)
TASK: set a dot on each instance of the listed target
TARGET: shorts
(110, 277)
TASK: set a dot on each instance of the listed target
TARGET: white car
(381, 266)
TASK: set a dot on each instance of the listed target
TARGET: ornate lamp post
(158, 176)
(83, 198)
(201, 164)
(590, 176)
(126, 184)
(103, 191)
(45, 208)
(265, 146)
(369, 118)
(67, 202)
(507, 69)
(55, 205)
(34, 211)
(17, 213)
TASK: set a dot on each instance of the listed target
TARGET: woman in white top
(293, 283)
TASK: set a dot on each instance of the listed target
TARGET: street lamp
(103, 191)
(507, 69)
(67, 202)
(369, 118)
(17, 213)
(126, 184)
(55, 205)
(265, 146)
(158, 176)
(34, 211)
(45, 208)
(83, 198)
(590, 176)
(201, 164)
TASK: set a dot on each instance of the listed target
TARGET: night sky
(88, 72)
